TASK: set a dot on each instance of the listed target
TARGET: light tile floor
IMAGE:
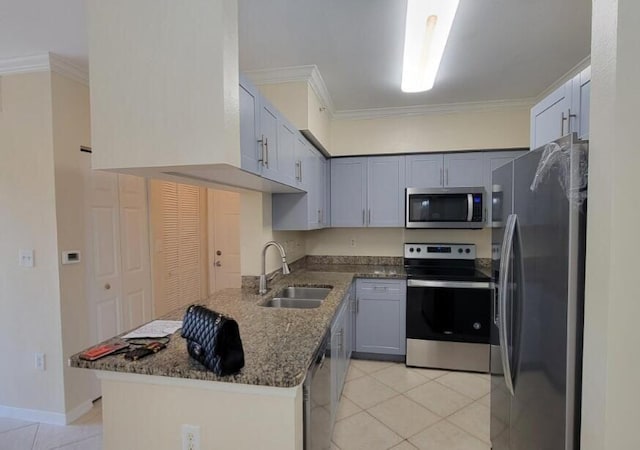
(83, 434)
(389, 406)
(383, 406)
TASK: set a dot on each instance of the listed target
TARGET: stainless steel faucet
(285, 266)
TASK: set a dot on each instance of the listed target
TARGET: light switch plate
(26, 257)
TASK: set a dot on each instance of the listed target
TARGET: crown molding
(44, 62)
(309, 74)
(378, 113)
(583, 64)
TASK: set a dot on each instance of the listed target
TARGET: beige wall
(611, 357)
(30, 298)
(432, 132)
(71, 129)
(388, 241)
(256, 230)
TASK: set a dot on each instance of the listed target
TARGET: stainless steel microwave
(445, 208)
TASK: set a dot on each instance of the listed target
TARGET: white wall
(389, 241)
(256, 230)
(611, 357)
(71, 129)
(29, 298)
(491, 129)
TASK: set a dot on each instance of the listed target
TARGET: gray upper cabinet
(464, 169)
(459, 169)
(250, 149)
(385, 193)
(269, 140)
(367, 191)
(424, 171)
(287, 169)
(348, 192)
(564, 111)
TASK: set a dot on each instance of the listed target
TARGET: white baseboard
(38, 415)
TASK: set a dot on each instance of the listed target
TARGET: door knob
(107, 286)
(218, 264)
(218, 253)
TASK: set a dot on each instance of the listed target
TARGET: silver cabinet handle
(369, 220)
(569, 117)
(441, 176)
(300, 171)
(261, 141)
(446, 174)
(297, 170)
(505, 266)
(562, 120)
(363, 221)
(266, 146)
(380, 288)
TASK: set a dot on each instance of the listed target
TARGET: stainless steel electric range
(449, 304)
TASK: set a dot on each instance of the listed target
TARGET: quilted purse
(213, 340)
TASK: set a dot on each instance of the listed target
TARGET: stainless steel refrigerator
(539, 203)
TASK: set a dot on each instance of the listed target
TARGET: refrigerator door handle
(505, 267)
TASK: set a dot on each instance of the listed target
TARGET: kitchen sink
(309, 293)
(298, 297)
(300, 303)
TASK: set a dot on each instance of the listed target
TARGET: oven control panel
(440, 251)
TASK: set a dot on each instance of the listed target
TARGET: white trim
(44, 62)
(24, 64)
(575, 70)
(38, 415)
(220, 386)
(68, 69)
(309, 74)
(376, 113)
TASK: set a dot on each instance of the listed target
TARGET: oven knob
(467, 251)
(477, 326)
(411, 249)
(459, 250)
(418, 249)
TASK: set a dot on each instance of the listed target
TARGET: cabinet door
(326, 218)
(549, 118)
(385, 191)
(287, 136)
(380, 320)
(269, 140)
(580, 99)
(464, 169)
(348, 192)
(249, 127)
(424, 171)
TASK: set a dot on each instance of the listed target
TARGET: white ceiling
(498, 49)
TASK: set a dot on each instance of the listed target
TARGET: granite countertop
(279, 343)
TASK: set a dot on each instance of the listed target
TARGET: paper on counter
(155, 329)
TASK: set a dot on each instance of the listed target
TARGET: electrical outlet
(190, 437)
(41, 361)
(353, 242)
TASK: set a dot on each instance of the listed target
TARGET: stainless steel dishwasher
(317, 399)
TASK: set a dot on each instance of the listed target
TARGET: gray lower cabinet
(380, 316)
(340, 351)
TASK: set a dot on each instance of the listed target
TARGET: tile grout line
(35, 436)
(469, 432)
(66, 444)
(19, 427)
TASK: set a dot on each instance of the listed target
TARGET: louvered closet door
(178, 264)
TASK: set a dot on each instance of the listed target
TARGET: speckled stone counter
(279, 343)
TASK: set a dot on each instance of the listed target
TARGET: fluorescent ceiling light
(426, 33)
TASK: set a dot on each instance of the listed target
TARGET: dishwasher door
(317, 400)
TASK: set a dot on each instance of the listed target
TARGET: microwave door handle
(469, 207)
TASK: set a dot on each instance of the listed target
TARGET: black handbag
(213, 340)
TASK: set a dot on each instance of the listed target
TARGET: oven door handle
(505, 267)
(469, 207)
(451, 284)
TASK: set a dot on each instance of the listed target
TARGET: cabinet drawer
(387, 289)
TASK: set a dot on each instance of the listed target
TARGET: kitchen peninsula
(146, 402)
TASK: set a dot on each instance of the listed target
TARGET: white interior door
(223, 212)
(103, 260)
(134, 244)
